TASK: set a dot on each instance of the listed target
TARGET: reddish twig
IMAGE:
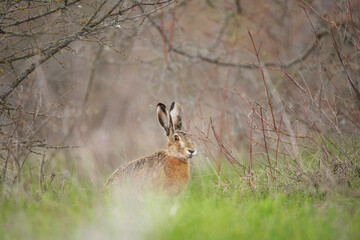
(263, 77)
(266, 148)
(172, 24)
(277, 142)
(165, 41)
(226, 153)
(251, 139)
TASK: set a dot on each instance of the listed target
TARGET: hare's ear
(164, 118)
(175, 113)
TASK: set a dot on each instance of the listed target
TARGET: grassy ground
(76, 211)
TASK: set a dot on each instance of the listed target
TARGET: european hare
(167, 169)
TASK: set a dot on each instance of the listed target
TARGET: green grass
(204, 211)
(268, 218)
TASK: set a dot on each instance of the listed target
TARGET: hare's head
(179, 142)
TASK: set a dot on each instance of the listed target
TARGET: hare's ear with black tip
(175, 114)
(164, 118)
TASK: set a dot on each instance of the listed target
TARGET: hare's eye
(176, 138)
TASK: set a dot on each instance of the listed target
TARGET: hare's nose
(191, 152)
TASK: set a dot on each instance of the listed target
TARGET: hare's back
(141, 171)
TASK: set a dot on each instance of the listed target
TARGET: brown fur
(157, 171)
(167, 170)
(177, 174)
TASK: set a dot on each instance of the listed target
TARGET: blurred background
(261, 83)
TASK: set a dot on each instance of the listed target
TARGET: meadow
(78, 209)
